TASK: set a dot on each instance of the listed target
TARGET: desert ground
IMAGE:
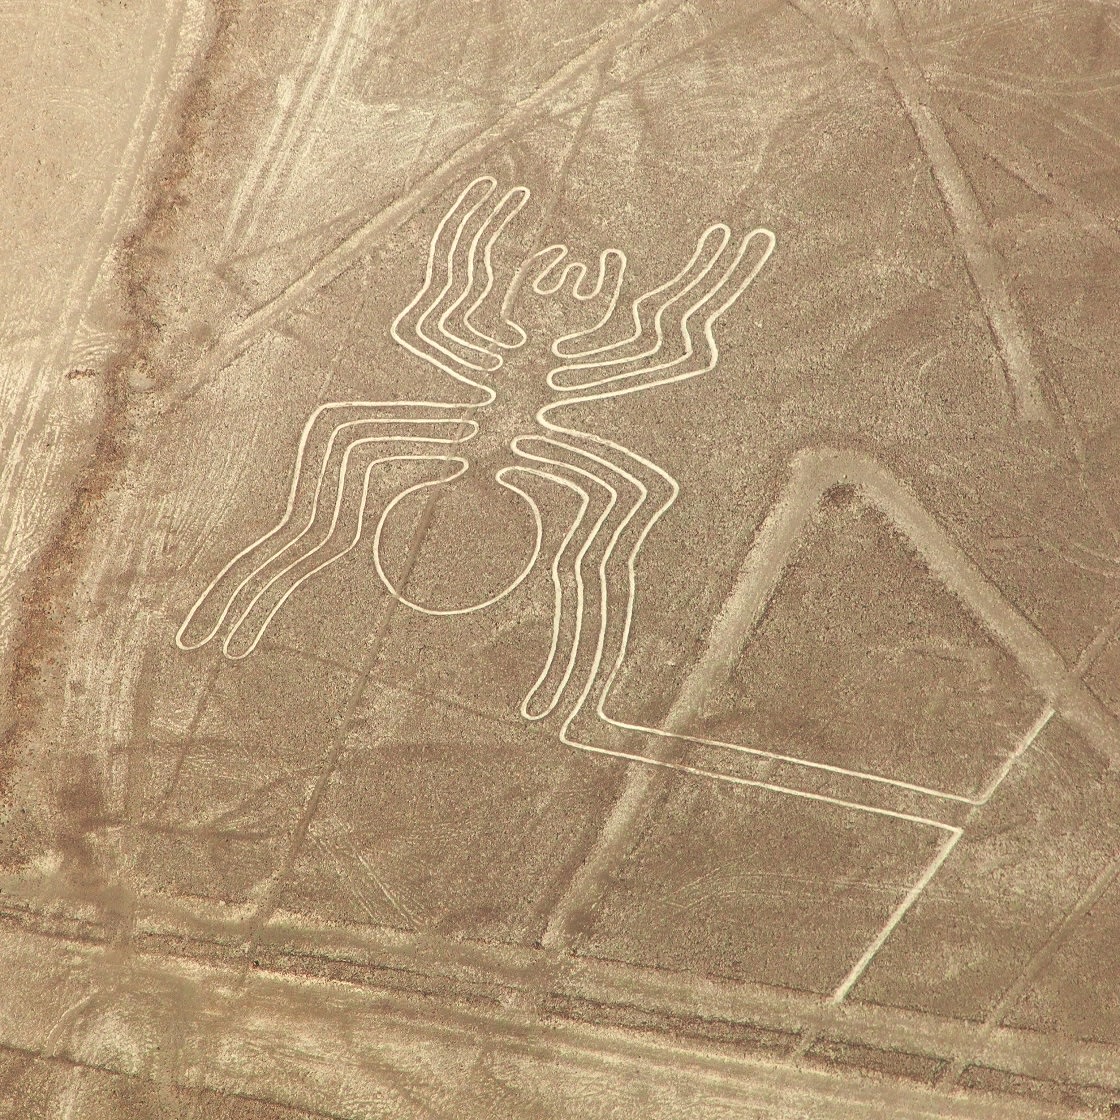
(560, 559)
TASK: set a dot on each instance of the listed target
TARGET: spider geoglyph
(509, 429)
(619, 495)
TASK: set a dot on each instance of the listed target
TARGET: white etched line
(442, 358)
(494, 361)
(329, 535)
(501, 215)
(672, 340)
(379, 409)
(458, 278)
(471, 608)
(558, 612)
(676, 287)
(613, 499)
(912, 895)
(793, 760)
(815, 475)
(443, 270)
(559, 466)
(726, 282)
(1024, 744)
(521, 337)
(771, 787)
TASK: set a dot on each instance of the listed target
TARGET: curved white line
(676, 293)
(551, 279)
(554, 569)
(577, 571)
(495, 362)
(577, 568)
(592, 674)
(522, 196)
(612, 304)
(577, 274)
(559, 253)
(443, 613)
(488, 264)
(953, 832)
(394, 330)
(623, 648)
(709, 337)
(643, 492)
(322, 410)
(336, 513)
(460, 462)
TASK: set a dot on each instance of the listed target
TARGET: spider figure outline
(620, 495)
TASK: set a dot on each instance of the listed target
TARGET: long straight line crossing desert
(560, 561)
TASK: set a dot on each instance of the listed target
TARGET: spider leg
(593, 572)
(332, 538)
(673, 337)
(568, 589)
(317, 478)
(646, 312)
(506, 210)
(436, 324)
(652, 493)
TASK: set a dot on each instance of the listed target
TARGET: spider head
(553, 298)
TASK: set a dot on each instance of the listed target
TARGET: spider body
(525, 359)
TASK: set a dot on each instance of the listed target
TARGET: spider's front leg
(621, 497)
(438, 324)
(330, 485)
(673, 336)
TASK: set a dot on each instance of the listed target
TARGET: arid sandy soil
(560, 560)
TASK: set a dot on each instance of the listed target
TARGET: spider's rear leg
(316, 478)
(586, 503)
(593, 574)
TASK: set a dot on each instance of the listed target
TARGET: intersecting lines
(619, 495)
(324, 516)
(814, 475)
(295, 122)
(343, 442)
(622, 495)
(614, 497)
(398, 593)
(607, 39)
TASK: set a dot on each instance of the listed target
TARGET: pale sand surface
(559, 560)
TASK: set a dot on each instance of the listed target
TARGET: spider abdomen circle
(428, 547)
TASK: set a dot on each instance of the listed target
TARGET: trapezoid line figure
(814, 474)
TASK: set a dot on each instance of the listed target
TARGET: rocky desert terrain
(560, 560)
